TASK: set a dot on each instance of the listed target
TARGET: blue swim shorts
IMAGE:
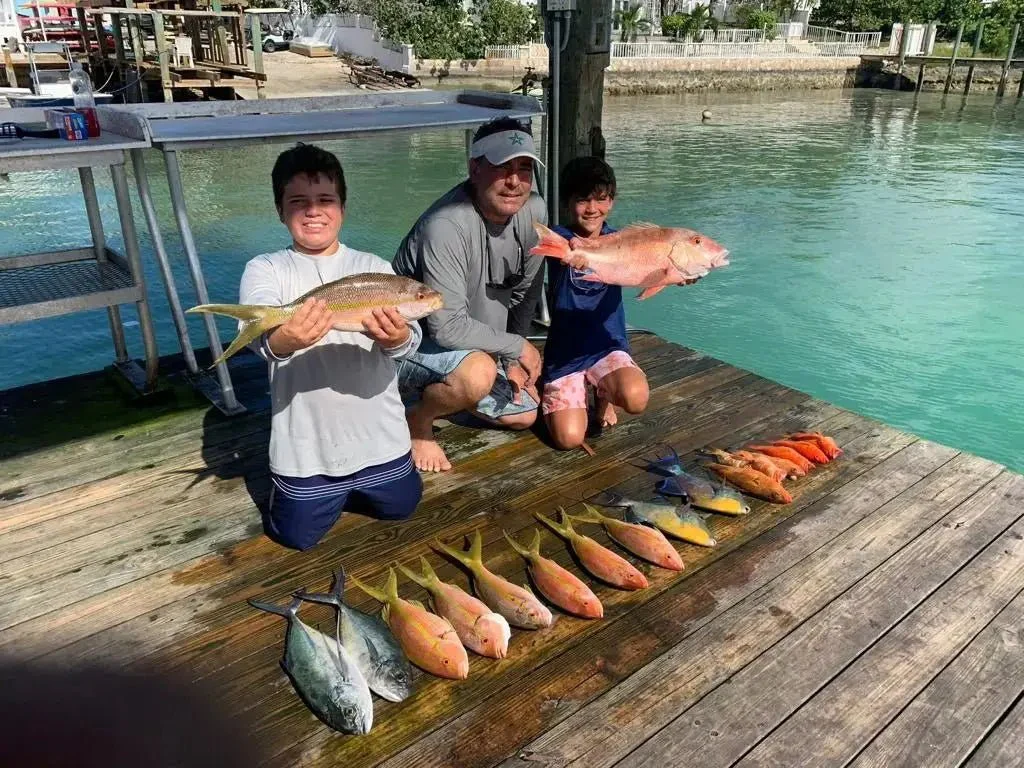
(432, 363)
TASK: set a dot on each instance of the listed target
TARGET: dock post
(12, 78)
(952, 59)
(163, 56)
(1006, 64)
(920, 77)
(257, 51)
(974, 55)
(1020, 87)
(904, 44)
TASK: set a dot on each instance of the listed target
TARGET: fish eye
(696, 241)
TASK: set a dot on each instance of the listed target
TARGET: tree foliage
(507, 22)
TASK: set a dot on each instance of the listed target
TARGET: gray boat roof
(207, 125)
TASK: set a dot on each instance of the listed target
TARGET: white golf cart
(277, 28)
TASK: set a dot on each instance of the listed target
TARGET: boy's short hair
(585, 176)
(306, 160)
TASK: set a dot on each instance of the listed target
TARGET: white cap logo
(499, 148)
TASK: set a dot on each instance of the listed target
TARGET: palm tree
(695, 22)
(631, 22)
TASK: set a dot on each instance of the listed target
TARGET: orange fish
(642, 255)
(598, 559)
(429, 641)
(783, 452)
(762, 464)
(642, 540)
(558, 585)
(827, 444)
(791, 469)
(754, 461)
(480, 629)
(753, 482)
(517, 604)
(806, 449)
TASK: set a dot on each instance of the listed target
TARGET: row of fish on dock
(335, 676)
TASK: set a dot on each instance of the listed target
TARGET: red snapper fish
(642, 255)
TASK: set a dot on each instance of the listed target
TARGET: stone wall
(986, 78)
(640, 76)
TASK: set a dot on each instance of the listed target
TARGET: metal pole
(99, 244)
(185, 230)
(974, 54)
(952, 59)
(1006, 64)
(131, 247)
(170, 288)
(554, 68)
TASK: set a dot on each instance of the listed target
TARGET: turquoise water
(876, 244)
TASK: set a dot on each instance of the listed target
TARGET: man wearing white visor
(473, 246)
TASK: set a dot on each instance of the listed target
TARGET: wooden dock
(875, 621)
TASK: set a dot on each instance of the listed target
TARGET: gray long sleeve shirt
(453, 250)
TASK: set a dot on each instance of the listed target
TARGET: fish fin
(640, 225)
(377, 594)
(665, 463)
(614, 500)
(338, 587)
(385, 613)
(287, 611)
(256, 319)
(519, 548)
(535, 544)
(424, 581)
(476, 548)
(550, 244)
(324, 598)
(646, 293)
(561, 530)
(463, 557)
(371, 649)
(592, 515)
(418, 603)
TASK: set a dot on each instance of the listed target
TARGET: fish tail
(380, 596)
(466, 558)
(287, 611)
(256, 319)
(519, 547)
(614, 500)
(562, 530)
(551, 244)
(591, 515)
(426, 579)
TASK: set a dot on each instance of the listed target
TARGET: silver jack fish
(323, 674)
(369, 641)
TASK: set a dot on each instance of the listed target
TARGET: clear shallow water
(876, 244)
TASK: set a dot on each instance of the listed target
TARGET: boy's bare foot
(606, 413)
(427, 454)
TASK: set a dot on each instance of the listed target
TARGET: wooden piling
(1006, 63)
(898, 80)
(12, 78)
(920, 77)
(974, 55)
(952, 59)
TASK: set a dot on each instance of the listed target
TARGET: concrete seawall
(645, 76)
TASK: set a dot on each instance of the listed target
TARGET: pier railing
(818, 34)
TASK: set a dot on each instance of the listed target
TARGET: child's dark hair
(585, 176)
(307, 160)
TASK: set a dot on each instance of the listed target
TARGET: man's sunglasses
(513, 280)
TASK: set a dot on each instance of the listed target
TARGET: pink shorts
(570, 391)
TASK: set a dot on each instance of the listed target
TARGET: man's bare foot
(426, 452)
(606, 413)
(428, 456)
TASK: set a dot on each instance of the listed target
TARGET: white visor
(499, 148)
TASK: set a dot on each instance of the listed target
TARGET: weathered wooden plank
(286, 721)
(1001, 748)
(619, 635)
(856, 705)
(224, 572)
(706, 597)
(951, 717)
(610, 728)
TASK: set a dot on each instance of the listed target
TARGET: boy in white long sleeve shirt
(339, 438)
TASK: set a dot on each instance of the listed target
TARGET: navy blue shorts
(303, 509)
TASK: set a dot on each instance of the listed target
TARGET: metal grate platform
(29, 293)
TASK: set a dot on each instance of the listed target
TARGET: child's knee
(567, 436)
(634, 397)
(292, 536)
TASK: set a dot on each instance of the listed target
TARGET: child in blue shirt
(587, 341)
